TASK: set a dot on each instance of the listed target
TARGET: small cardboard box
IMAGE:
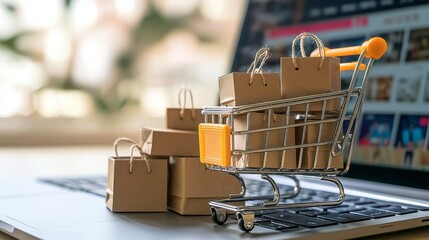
(257, 141)
(192, 186)
(309, 80)
(138, 190)
(309, 153)
(235, 88)
(169, 142)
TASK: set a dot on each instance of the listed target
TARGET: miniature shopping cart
(219, 150)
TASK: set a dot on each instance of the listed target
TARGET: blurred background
(88, 71)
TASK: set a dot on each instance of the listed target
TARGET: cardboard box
(187, 121)
(257, 141)
(169, 142)
(138, 191)
(192, 186)
(309, 155)
(311, 135)
(309, 80)
(235, 90)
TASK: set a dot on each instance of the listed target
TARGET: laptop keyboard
(353, 209)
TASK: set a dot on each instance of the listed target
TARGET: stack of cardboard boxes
(185, 188)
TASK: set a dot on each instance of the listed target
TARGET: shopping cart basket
(219, 151)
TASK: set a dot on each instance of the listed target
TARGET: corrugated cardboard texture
(176, 121)
(138, 191)
(311, 136)
(191, 184)
(308, 80)
(169, 142)
(234, 88)
(257, 141)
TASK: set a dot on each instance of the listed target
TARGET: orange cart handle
(351, 66)
(374, 48)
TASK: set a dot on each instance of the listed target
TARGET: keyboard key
(312, 213)
(377, 205)
(349, 198)
(375, 213)
(420, 208)
(399, 210)
(300, 220)
(259, 219)
(364, 202)
(344, 217)
(268, 211)
(276, 225)
(345, 209)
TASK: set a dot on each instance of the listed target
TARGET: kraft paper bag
(191, 186)
(311, 135)
(255, 141)
(137, 184)
(184, 118)
(253, 86)
(169, 142)
(304, 76)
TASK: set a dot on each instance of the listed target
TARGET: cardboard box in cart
(192, 186)
(311, 135)
(257, 141)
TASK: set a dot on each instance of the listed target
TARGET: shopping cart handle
(374, 48)
(351, 66)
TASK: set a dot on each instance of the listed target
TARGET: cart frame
(342, 141)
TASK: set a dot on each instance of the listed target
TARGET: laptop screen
(392, 136)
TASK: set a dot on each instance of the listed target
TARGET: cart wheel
(219, 216)
(246, 222)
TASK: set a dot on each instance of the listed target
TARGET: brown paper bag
(191, 186)
(239, 88)
(184, 118)
(169, 142)
(258, 140)
(311, 135)
(136, 184)
(303, 76)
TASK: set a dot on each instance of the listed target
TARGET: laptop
(386, 189)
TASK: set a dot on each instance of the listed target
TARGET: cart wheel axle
(246, 221)
(219, 216)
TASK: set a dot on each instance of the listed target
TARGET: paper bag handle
(319, 44)
(182, 94)
(260, 57)
(134, 145)
(142, 156)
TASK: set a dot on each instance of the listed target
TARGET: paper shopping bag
(303, 76)
(137, 184)
(311, 135)
(253, 86)
(169, 142)
(258, 141)
(191, 186)
(184, 118)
